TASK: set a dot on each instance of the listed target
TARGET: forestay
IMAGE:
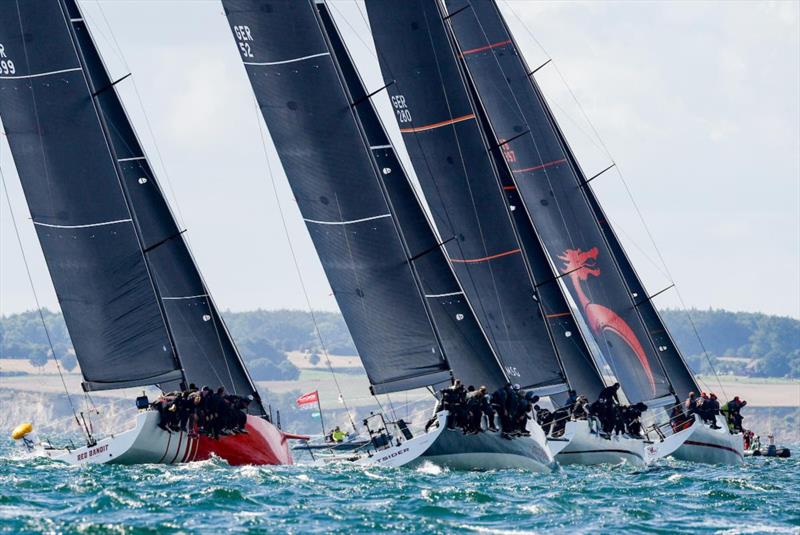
(465, 346)
(555, 198)
(313, 126)
(448, 152)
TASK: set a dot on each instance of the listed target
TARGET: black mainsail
(447, 148)
(555, 199)
(464, 344)
(105, 227)
(335, 181)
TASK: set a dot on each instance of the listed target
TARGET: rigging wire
(628, 190)
(36, 299)
(295, 261)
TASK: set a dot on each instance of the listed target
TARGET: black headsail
(77, 204)
(333, 177)
(555, 199)
(465, 346)
(117, 162)
(449, 154)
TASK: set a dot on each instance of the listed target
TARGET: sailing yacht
(136, 307)
(411, 319)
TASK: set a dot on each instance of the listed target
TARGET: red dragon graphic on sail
(578, 265)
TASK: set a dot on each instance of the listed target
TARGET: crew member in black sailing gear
(631, 416)
(474, 415)
(499, 402)
(608, 401)
(690, 405)
(580, 409)
(544, 418)
(712, 409)
(487, 409)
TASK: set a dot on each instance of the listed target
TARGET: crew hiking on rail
(203, 411)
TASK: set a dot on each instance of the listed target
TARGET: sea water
(40, 495)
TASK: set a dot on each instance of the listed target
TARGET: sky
(697, 103)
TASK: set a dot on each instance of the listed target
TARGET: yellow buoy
(21, 430)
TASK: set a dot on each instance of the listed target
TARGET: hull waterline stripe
(178, 449)
(707, 445)
(487, 47)
(132, 159)
(537, 167)
(188, 449)
(28, 76)
(287, 60)
(625, 452)
(346, 222)
(166, 450)
(438, 125)
(485, 258)
(444, 295)
(184, 297)
(84, 226)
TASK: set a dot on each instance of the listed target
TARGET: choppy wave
(39, 495)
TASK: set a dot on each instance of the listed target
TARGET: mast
(447, 148)
(555, 200)
(464, 343)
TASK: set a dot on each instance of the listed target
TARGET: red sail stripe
(487, 47)
(485, 258)
(438, 125)
(535, 168)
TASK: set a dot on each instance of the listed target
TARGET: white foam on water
(428, 467)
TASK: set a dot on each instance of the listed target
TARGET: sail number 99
(6, 65)
(401, 109)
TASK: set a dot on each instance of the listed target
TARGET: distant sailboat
(135, 305)
(409, 317)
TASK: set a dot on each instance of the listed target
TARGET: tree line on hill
(743, 343)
